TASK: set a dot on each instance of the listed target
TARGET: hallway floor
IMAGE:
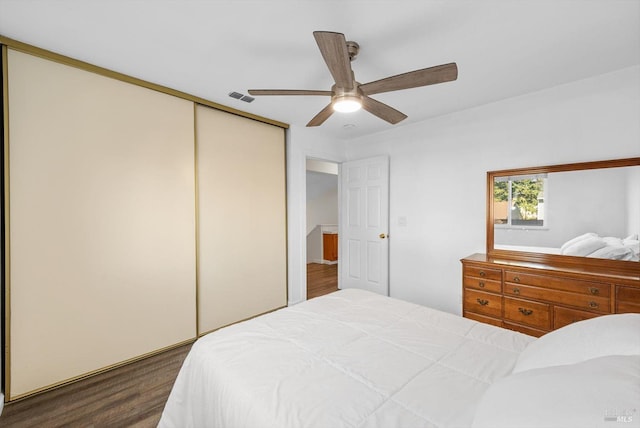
(321, 279)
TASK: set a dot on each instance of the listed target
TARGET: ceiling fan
(348, 95)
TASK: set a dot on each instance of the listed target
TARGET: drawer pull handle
(483, 302)
(483, 273)
(516, 279)
(525, 312)
(594, 290)
(593, 305)
(481, 284)
(516, 290)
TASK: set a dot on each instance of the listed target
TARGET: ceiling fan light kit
(346, 104)
(347, 95)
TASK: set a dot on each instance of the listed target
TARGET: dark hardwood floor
(130, 396)
(321, 279)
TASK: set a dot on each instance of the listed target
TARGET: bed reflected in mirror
(566, 211)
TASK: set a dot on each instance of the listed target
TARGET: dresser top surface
(580, 270)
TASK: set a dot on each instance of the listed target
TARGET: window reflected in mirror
(518, 202)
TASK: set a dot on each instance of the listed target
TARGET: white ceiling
(503, 48)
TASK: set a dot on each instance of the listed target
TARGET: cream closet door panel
(241, 218)
(102, 222)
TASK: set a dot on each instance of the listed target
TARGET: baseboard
(323, 262)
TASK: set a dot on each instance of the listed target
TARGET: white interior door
(364, 225)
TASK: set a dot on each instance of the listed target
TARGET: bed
(358, 359)
(588, 245)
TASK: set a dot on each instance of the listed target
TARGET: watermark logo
(620, 415)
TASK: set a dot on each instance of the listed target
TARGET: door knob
(382, 236)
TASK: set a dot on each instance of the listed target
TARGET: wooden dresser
(535, 298)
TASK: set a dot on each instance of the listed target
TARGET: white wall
(314, 246)
(633, 208)
(322, 204)
(438, 170)
(322, 199)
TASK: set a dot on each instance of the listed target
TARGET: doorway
(322, 181)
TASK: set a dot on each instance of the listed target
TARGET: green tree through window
(519, 201)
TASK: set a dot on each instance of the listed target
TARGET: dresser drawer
(592, 288)
(565, 316)
(482, 272)
(627, 299)
(524, 329)
(533, 314)
(482, 318)
(483, 303)
(580, 301)
(482, 284)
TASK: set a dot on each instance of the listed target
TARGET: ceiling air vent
(241, 97)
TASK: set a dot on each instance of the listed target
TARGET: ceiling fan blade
(333, 47)
(382, 110)
(413, 79)
(288, 92)
(319, 118)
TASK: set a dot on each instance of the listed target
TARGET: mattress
(348, 359)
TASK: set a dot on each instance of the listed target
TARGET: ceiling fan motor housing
(341, 93)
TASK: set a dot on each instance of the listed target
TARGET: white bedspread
(349, 359)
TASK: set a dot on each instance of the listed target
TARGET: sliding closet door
(101, 226)
(241, 218)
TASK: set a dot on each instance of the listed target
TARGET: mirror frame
(615, 266)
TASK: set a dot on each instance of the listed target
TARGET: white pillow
(594, 393)
(613, 253)
(633, 244)
(617, 334)
(612, 240)
(585, 246)
(577, 239)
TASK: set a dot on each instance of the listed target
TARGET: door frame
(298, 150)
(304, 218)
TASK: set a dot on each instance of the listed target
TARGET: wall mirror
(582, 214)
